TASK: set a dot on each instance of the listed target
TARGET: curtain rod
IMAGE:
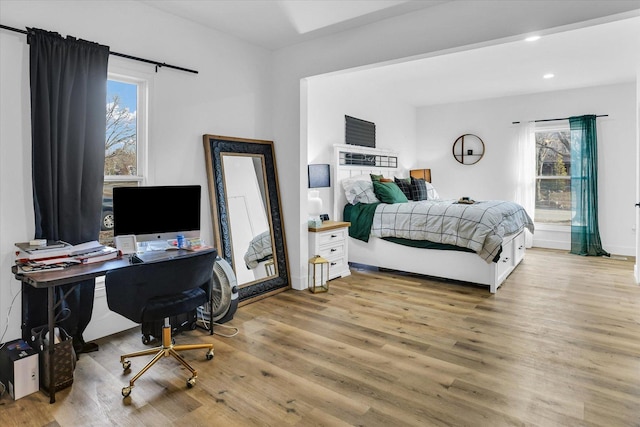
(553, 120)
(122, 55)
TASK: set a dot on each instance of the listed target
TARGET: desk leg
(50, 347)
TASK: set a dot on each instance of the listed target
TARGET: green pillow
(389, 192)
(375, 177)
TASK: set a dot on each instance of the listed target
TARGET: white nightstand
(330, 242)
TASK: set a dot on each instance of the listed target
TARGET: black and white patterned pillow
(405, 186)
(423, 190)
(359, 191)
(419, 189)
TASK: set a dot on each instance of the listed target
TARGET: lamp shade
(319, 176)
(314, 203)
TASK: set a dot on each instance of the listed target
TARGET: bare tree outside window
(121, 141)
(553, 180)
(121, 148)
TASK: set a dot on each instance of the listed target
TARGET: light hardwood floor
(558, 345)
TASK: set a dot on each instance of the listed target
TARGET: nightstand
(330, 242)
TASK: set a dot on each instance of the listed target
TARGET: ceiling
(597, 55)
(274, 24)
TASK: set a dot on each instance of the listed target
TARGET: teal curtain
(585, 236)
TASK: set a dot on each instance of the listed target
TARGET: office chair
(157, 290)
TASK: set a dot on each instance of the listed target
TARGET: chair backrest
(130, 288)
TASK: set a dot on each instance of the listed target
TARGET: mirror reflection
(247, 205)
(246, 213)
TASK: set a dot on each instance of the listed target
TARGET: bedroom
(419, 111)
(255, 94)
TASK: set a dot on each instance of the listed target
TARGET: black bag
(152, 331)
(64, 357)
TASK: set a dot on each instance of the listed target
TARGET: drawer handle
(333, 249)
(334, 235)
(334, 263)
(506, 259)
(520, 247)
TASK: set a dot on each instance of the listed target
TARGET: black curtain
(68, 108)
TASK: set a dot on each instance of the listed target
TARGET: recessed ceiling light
(548, 76)
(532, 38)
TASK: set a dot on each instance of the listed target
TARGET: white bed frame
(455, 265)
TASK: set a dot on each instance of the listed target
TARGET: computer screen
(157, 212)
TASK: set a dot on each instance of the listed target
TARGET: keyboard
(160, 245)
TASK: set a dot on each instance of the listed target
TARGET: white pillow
(359, 189)
(432, 194)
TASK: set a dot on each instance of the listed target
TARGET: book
(57, 260)
(53, 255)
(104, 254)
(85, 248)
(50, 244)
(32, 267)
(30, 252)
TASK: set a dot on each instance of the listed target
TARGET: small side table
(330, 242)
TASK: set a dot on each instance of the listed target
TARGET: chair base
(165, 350)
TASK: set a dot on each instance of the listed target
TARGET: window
(124, 143)
(553, 175)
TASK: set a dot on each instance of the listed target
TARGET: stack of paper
(51, 250)
(59, 255)
(104, 253)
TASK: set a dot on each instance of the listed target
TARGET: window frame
(127, 72)
(142, 126)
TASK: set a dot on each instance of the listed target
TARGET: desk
(77, 273)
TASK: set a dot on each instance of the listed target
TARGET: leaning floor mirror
(246, 213)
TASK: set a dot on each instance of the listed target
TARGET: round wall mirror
(468, 149)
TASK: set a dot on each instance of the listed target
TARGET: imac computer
(157, 214)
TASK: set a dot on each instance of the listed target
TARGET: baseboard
(551, 244)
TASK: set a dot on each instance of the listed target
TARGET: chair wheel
(126, 365)
(145, 339)
(126, 391)
(210, 354)
(190, 382)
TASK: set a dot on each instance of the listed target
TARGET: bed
(259, 256)
(472, 263)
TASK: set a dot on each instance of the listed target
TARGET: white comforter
(259, 249)
(479, 227)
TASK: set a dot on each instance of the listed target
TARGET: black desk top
(80, 272)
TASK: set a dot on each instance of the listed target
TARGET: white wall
(495, 176)
(231, 96)
(330, 98)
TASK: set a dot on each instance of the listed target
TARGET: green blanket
(360, 216)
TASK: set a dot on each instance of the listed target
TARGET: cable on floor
(207, 325)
